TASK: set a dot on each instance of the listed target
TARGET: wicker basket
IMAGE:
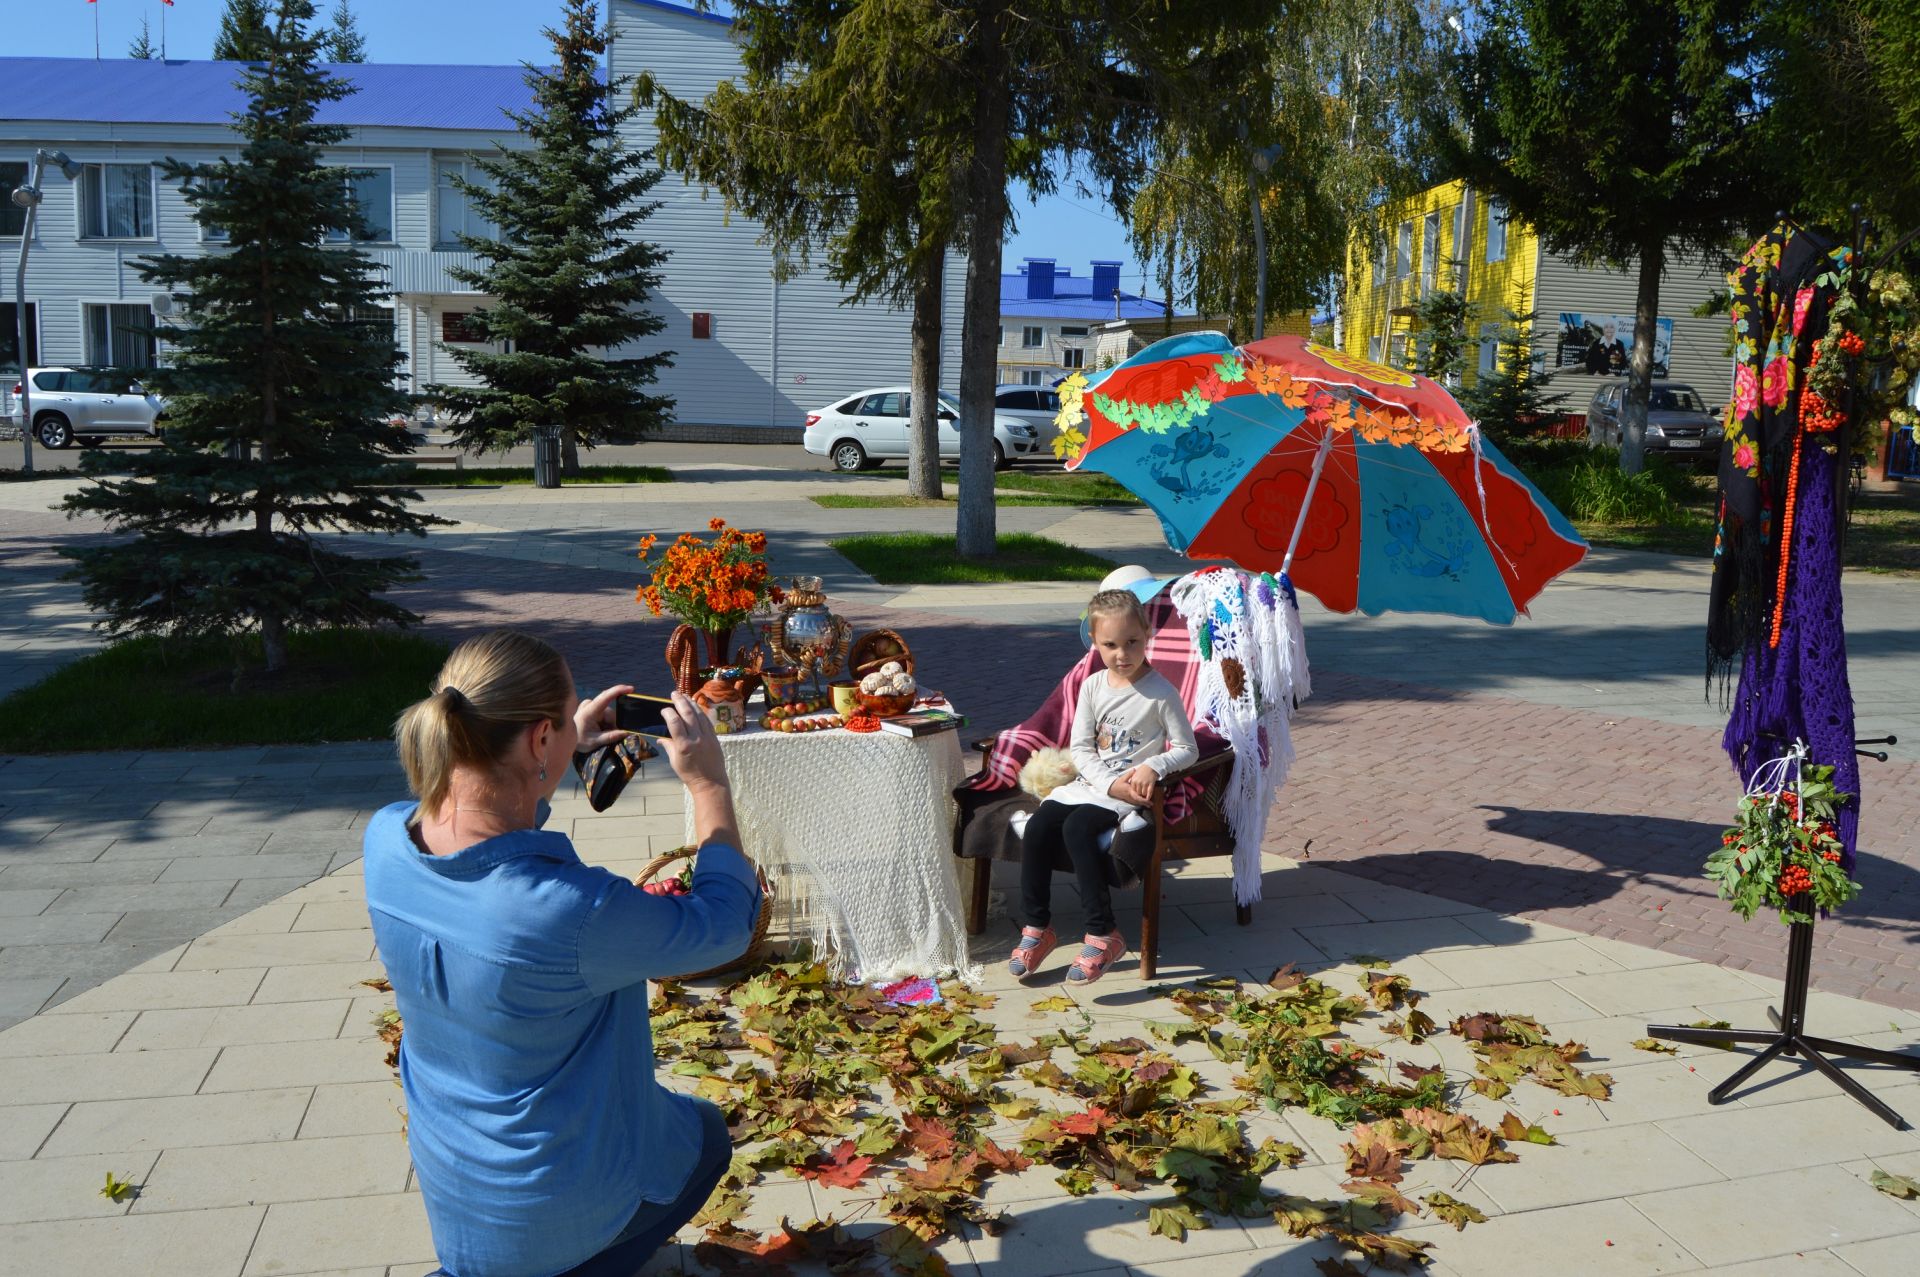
(862, 661)
(760, 924)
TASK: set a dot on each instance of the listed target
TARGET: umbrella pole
(1313, 481)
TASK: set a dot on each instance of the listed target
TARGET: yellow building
(1451, 237)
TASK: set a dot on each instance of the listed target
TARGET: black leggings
(1078, 827)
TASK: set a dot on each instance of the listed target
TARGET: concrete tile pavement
(266, 1125)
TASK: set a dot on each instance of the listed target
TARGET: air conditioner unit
(162, 303)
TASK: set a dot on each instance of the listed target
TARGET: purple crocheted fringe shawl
(1799, 690)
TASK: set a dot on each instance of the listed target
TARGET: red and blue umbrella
(1367, 486)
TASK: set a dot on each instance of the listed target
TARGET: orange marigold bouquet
(711, 585)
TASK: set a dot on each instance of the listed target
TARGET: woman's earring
(543, 771)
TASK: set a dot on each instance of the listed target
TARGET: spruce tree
(344, 43)
(281, 398)
(1513, 399)
(245, 32)
(567, 276)
(142, 49)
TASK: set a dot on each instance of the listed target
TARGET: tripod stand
(1788, 1036)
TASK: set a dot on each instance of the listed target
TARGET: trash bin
(546, 457)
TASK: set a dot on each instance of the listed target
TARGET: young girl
(1129, 731)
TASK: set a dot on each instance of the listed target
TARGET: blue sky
(1073, 231)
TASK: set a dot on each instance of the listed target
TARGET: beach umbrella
(1368, 487)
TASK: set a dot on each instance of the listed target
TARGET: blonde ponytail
(485, 695)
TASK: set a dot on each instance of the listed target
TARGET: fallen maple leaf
(1513, 1127)
(1382, 1196)
(930, 1137)
(1654, 1046)
(842, 1168)
(1895, 1185)
(1058, 1002)
(117, 1189)
(1174, 1221)
(1002, 1159)
(1452, 1210)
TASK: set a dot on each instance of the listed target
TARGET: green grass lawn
(146, 693)
(494, 476)
(916, 558)
(1011, 487)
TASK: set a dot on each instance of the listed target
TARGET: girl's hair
(1118, 603)
(484, 696)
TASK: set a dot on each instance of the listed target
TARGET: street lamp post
(28, 197)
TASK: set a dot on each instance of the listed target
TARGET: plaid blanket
(1169, 650)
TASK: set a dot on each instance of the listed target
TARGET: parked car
(1035, 405)
(90, 404)
(1678, 423)
(871, 427)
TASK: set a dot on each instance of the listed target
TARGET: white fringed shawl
(1253, 622)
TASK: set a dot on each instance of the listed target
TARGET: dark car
(1678, 423)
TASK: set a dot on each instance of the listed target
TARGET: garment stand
(1788, 1036)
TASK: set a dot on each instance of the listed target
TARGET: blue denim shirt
(535, 1121)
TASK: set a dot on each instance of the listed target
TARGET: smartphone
(637, 712)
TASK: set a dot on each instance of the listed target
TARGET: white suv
(89, 404)
(872, 426)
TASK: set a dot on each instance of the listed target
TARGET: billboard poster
(1603, 344)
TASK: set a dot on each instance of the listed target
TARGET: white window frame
(1032, 377)
(1403, 250)
(1072, 357)
(82, 194)
(26, 172)
(1496, 231)
(36, 315)
(1073, 330)
(1429, 252)
(86, 305)
(1489, 349)
(443, 240)
(1373, 349)
(208, 234)
(393, 206)
(1032, 336)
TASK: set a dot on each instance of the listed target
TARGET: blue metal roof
(133, 91)
(1073, 299)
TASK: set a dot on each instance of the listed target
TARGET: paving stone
(1595, 1164)
(122, 897)
(234, 1026)
(22, 996)
(318, 982)
(1089, 1234)
(170, 925)
(56, 929)
(355, 1108)
(26, 903)
(273, 949)
(179, 1121)
(138, 991)
(66, 1034)
(1626, 992)
(1811, 1208)
(194, 847)
(1537, 960)
(1593, 1239)
(24, 1127)
(201, 1244)
(1782, 1136)
(37, 1079)
(17, 875)
(295, 865)
(291, 1170)
(311, 1063)
(342, 915)
(341, 1232)
(68, 1187)
(1885, 1257)
(1390, 940)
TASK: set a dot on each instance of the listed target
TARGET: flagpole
(96, 30)
(163, 31)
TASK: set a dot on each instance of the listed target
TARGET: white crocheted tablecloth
(855, 831)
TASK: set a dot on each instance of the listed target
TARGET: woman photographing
(544, 1144)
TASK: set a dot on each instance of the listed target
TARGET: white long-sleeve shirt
(1116, 729)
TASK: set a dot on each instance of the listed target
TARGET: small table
(855, 831)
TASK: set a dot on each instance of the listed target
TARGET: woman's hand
(692, 746)
(593, 721)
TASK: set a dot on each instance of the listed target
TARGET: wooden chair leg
(977, 898)
(1150, 919)
(1243, 914)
